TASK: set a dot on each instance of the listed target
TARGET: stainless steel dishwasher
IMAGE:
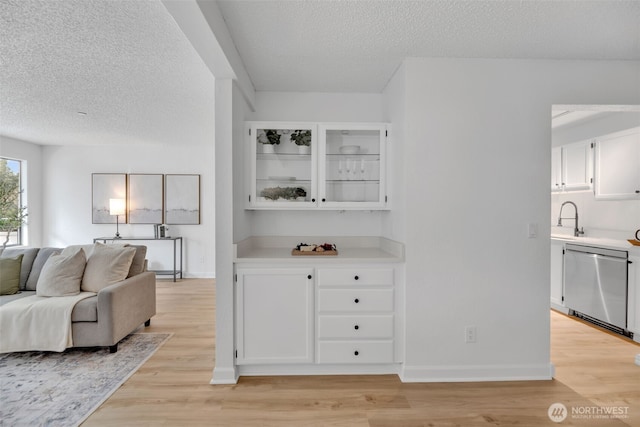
(595, 285)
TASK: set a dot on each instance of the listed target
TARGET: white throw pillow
(106, 265)
(62, 275)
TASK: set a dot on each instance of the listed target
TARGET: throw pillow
(61, 275)
(137, 265)
(107, 265)
(10, 275)
(38, 264)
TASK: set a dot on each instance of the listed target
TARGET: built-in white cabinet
(355, 312)
(572, 167)
(633, 309)
(617, 166)
(316, 165)
(275, 316)
(556, 169)
(338, 315)
(557, 274)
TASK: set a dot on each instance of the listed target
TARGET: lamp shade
(116, 206)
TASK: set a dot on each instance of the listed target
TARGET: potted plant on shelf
(302, 138)
(269, 138)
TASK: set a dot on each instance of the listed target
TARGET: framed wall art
(146, 195)
(105, 186)
(182, 199)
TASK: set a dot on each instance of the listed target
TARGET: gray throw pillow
(38, 263)
(62, 275)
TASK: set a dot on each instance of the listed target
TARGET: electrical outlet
(532, 230)
(470, 334)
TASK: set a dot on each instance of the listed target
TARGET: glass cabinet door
(352, 171)
(283, 165)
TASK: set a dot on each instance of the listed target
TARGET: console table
(177, 267)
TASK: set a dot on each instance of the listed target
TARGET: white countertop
(601, 242)
(263, 249)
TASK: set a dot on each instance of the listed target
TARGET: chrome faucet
(576, 231)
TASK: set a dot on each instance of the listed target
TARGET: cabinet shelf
(354, 181)
(374, 156)
(290, 181)
(280, 156)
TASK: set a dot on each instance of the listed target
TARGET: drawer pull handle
(356, 278)
(356, 352)
(356, 300)
(356, 327)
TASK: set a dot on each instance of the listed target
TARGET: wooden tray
(634, 242)
(296, 252)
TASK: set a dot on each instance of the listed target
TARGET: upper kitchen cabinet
(282, 165)
(316, 166)
(352, 166)
(572, 167)
(617, 166)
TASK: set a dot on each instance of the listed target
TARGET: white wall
(32, 183)
(477, 162)
(317, 107)
(67, 197)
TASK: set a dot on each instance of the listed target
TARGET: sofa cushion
(107, 264)
(27, 261)
(10, 275)
(38, 263)
(4, 299)
(62, 275)
(137, 265)
(85, 310)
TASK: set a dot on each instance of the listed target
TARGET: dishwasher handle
(601, 252)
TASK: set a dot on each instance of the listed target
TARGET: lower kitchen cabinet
(633, 309)
(274, 315)
(315, 316)
(355, 315)
(557, 274)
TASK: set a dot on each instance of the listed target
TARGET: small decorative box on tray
(306, 249)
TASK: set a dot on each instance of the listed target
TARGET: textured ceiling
(126, 64)
(355, 46)
(129, 67)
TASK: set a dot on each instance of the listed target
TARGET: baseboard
(476, 373)
(559, 308)
(224, 376)
(318, 369)
(199, 275)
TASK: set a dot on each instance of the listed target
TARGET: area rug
(63, 389)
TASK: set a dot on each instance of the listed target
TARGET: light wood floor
(593, 368)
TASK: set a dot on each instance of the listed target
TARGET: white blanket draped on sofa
(38, 323)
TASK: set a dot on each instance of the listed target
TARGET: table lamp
(117, 208)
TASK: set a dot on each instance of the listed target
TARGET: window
(12, 211)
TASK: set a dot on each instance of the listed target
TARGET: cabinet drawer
(355, 276)
(355, 300)
(355, 352)
(380, 327)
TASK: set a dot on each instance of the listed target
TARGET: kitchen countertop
(600, 242)
(369, 249)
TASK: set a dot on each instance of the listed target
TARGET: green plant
(12, 215)
(270, 136)
(287, 193)
(301, 137)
